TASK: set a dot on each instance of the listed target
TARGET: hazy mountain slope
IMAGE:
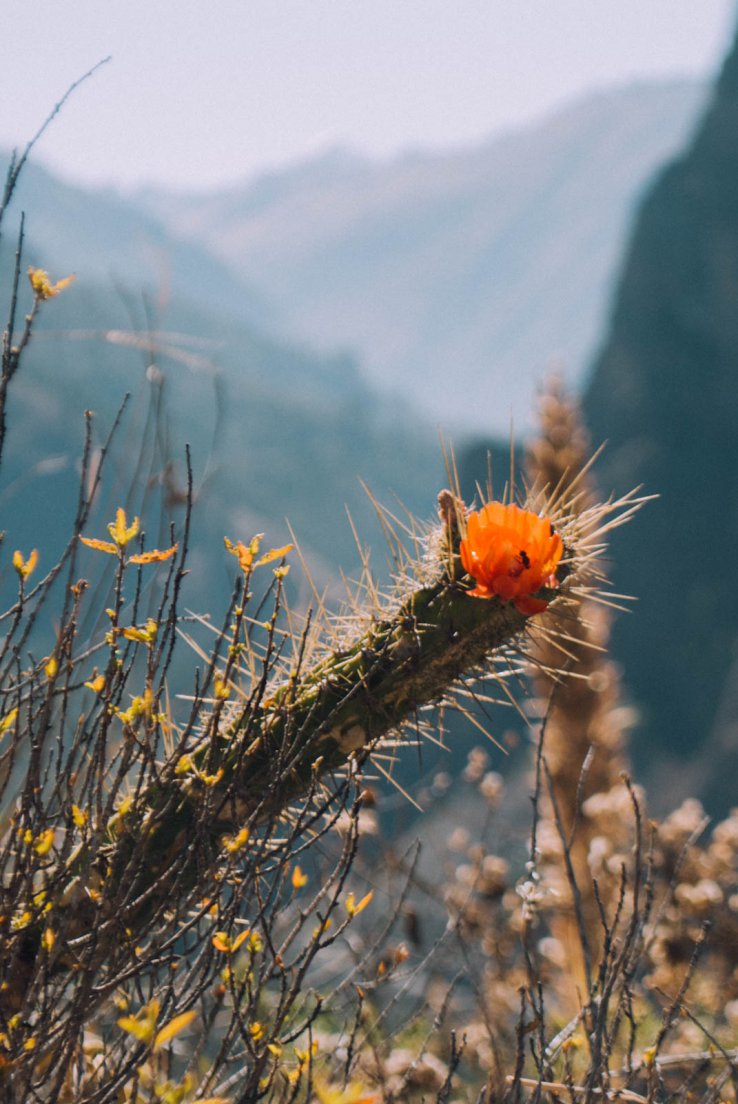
(109, 241)
(479, 264)
(665, 394)
(276, 431)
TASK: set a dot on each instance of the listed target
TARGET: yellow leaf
(244, 553)
(99, 545)
(79, 816)
(154, 556)
(51, 667)
(184, 765)
(8, 721)
(125, 806)
(25, 567)
(133, 1027)
(304, 1056)
(140, 706)
(145, 635)
(232, 844)
(222, 942)
(321, 928)
(298, 878)
(364, 902)
(221, 688)
(211, 779)
(179, 1023)
(143, 1025)
(120, 530)
(275, 554)
(44, 842)
(241, 938)
(96, 684)
(353, 909)
(48, 939)
(42, 286)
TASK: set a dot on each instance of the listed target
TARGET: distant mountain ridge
(481, 264)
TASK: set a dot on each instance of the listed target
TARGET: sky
(200, 95)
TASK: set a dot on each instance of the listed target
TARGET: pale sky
(200, 94)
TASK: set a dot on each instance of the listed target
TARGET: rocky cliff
(665, 394)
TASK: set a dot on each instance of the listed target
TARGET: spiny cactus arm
(254, 764)
(262, 759)
(402, 661)
(357, 696)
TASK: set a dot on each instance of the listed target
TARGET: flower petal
(511, 553)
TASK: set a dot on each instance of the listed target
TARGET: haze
(198, 96)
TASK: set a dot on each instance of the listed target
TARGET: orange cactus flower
(511, 554)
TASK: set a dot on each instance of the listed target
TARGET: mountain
(110, 241)
(665, 393)
(276, 431)
(455, 275)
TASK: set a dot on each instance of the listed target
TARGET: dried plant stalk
(588, 807)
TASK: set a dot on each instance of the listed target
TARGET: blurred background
(309, 237)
